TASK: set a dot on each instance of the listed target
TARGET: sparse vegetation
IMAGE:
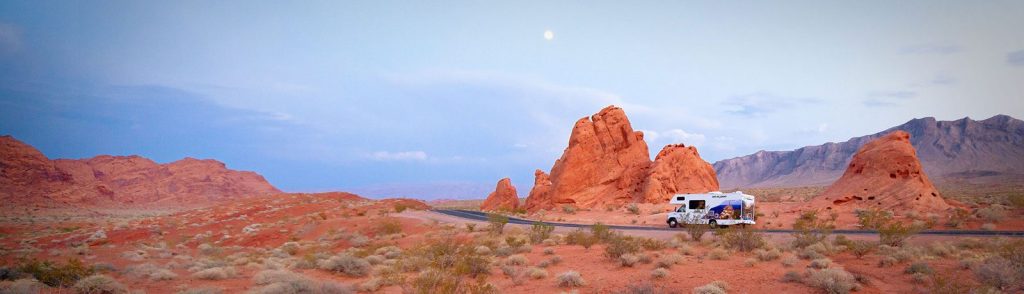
(497, 222)
(619, 245)
(570, 279)
(832, 280)
(540, 232)
(810, 228)
(388, 226)
(99, 284)
(740, 239)
(347, 264)
(56, 275)
(695, 229)
(633, 208)
(716, 287)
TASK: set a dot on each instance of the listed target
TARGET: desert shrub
(767, 255)
(789, 261)
(988, 227)
(896, 233)
(497, 222)
(388, 226)
(374, 259)
(347, 264)
(540, 232)
(740, 239)
(207, 249)
(209, 290)
(483, 250)
(873, 219)
(570, 279)
(18, 286)
(919, 267)
(1000, 273)
(537, 273)
(601, 232)
(549, 251)
(389, 252)
(470, 227)
(620, 245)
(99, 284)
(718, 254)
(515, 243)
(791, 277)
(569, 209)
(652, 244)
(216, 273)
(716, 287)
(832, 280)
(370, 285)
(957, 218)
(633, 208)
(810, 228)
(820, 263)
(749, 262)
(887, 261)
(695, 229)
(945, 284)
(668, 261)
(861, 248)
(659, 273)
(628, 260)
(810, 253)
(516, 260)
(992, 213)
(56, 275)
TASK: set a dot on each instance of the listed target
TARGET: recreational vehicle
(716, 209)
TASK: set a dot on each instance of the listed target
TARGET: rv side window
(696, 204)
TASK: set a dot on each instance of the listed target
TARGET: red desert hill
(27, 177)
(884, 174)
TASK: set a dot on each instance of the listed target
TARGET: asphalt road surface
(480, 216)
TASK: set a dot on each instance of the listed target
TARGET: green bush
(601, 232)
(620, 245)
(633, 208)
(873, 219)
(810, 228)
(540, 232)
(56, 275)
(497, 222)
(694, 228)
(740, 239)
(896, 233)
(919, 267)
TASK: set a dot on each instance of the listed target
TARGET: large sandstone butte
(884, 174)
(503, 198)
(27, 177)
(678, 169)
(607, 163)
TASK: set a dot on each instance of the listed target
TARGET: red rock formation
(606, 162)
(678, 169)
(884, 174)
(540, 195)
(504, 197)
(28, 177)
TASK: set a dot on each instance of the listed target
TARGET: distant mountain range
(963, 149)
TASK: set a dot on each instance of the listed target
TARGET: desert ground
(339, 243)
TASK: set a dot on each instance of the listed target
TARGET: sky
(440, 99)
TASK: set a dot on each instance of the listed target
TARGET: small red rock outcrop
(884, 174)
(540, 195)
(503, 198)
(678, 169)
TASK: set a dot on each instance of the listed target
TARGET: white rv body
(714, 208)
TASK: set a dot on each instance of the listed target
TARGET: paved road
(480, 216)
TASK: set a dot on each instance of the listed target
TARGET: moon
(549, 35)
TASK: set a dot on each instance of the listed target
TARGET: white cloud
(398, 156)
(823, 127)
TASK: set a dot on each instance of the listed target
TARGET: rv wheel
(672, 223)
(713, 224)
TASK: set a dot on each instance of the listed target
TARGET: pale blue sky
(347, 95)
